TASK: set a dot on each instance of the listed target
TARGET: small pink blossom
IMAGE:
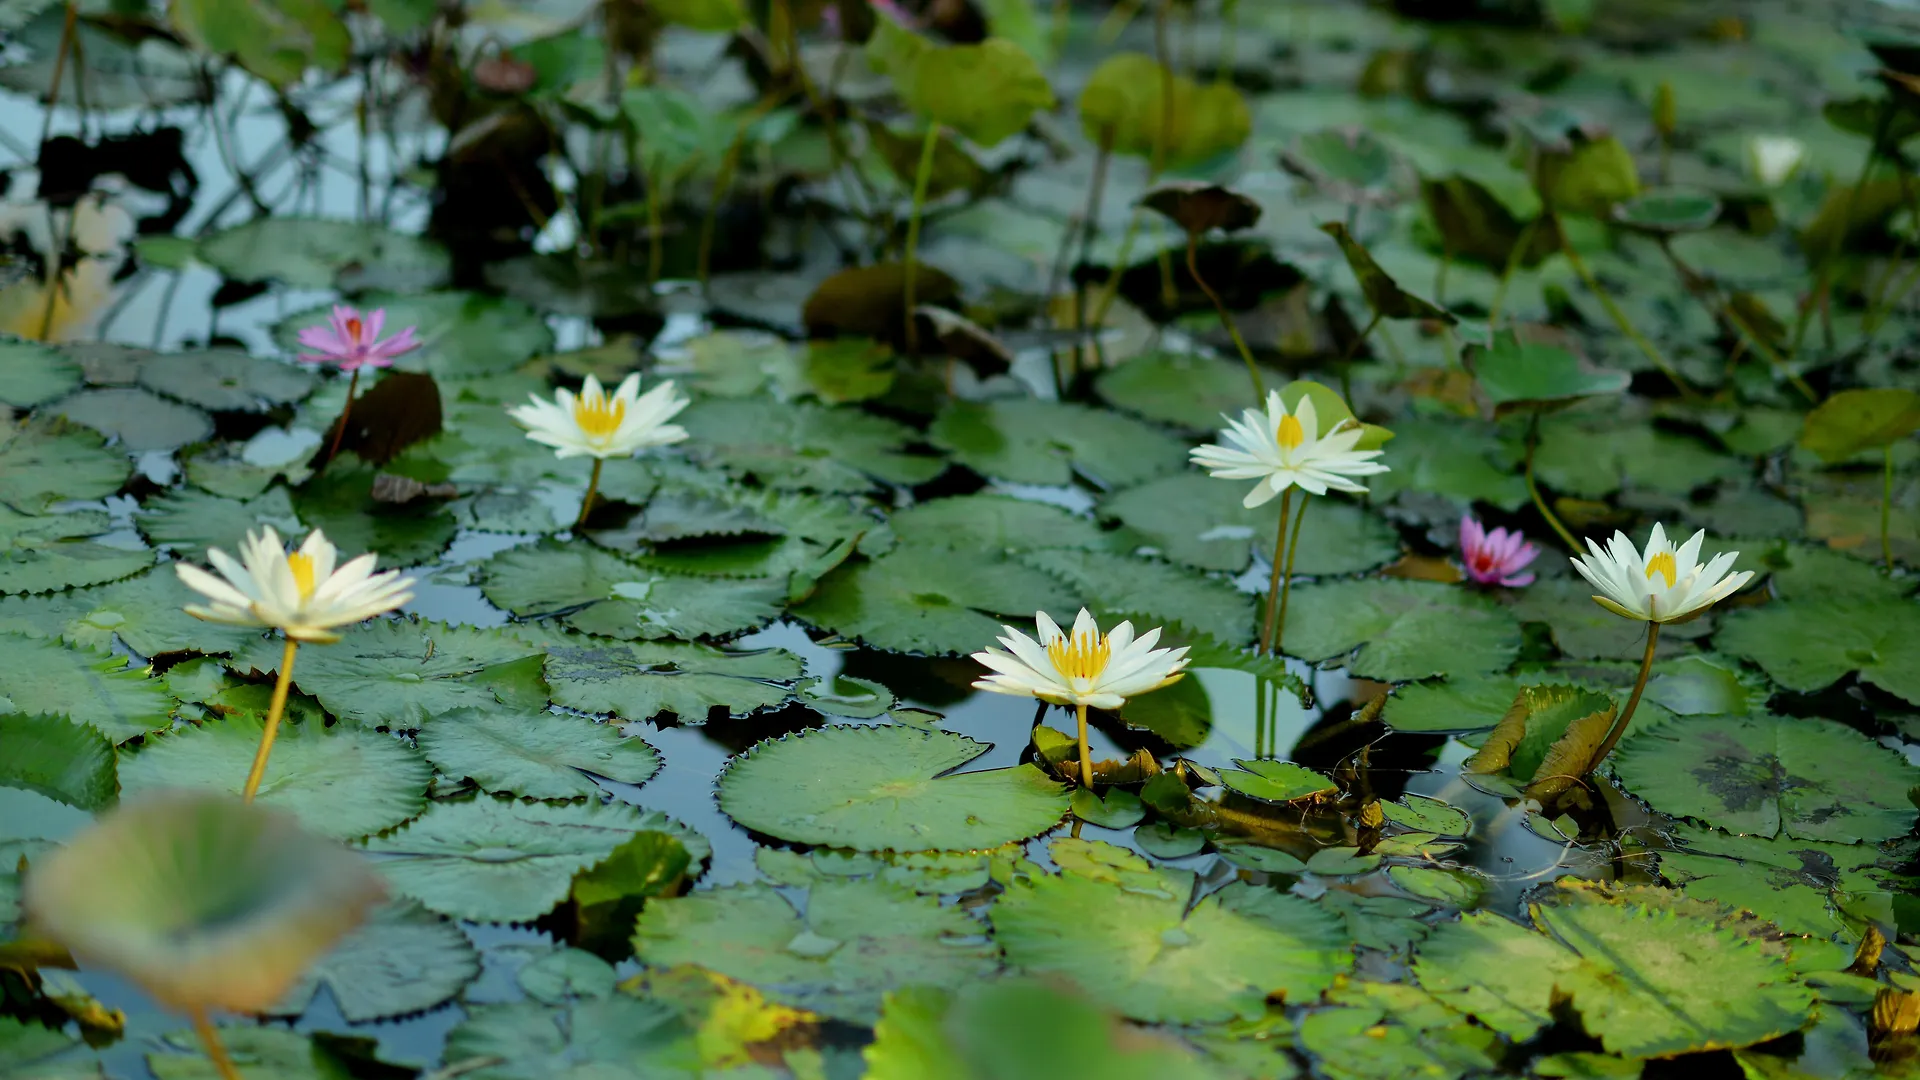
(1497, 557)
(353, 341)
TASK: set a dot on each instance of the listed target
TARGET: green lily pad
(135, 419)
(1154, 592)
(1152, 957)
(1803, 777)
(1348, 164)
(1424, 814)
(1669, 211)
(998, 523)
(1049, 442)
(404, 960)
(931, 600)
(1616, 962)
(1164, 841)
(344, 782)
(1200, 521)
(598, 592)
(1459, 462)
(400, 673)
(59, 759)
(543, 756)
(1593, 462)
(1467, 703)
(340, 502)
(1452, 886)
(1183, 390)
(858, 939)
(224, 381)
(1852, 421)
(34, 374)
(494, 860)
(1342, 862)
(189, 522)
(1119, 809)
(39, 676)
(46, 553)
(1583, 629)
(886, 789)
(1401, 629)
(462, 335)
(143, 612)
(1383, 1031)
(1801, 886)
(46, 463)
(1807, 645)
(1275, 781)
(611, 1036)
(803, 446)
(846, 695)
(1515, 375)
(640, 680)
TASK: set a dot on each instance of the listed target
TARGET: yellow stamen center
(302, 568)
(1662, 564)
(1082, 656)
(1291, 434)
(599, 417)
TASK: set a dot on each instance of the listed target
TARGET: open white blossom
(601, 425)
(302, 594)
(1085, 667)
(1661, 584)
(1284, 449)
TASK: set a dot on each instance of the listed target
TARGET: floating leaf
(189, 521)
(1803, 777)
(1669, 211)
(308, 253)
(1400, 629)
(38, 676)
(641, 680)
(1809, 644)
(858, 939)
(404, 960)
(1151, 957)
(1275, 781)
(1466, 703)
(923, 599)
(42, 554)
(1515, 375)
(1348, 164)
(598, 592)
(886, 788)
(1801, 886)
(135, 419)
(225, 381)
(1155, 591)
(344, 782)
(143, 612)
(1852, 421)
(802, 446)
(997, 523)
(461, 335)
(544, 756)
(618, 1034)
(61, 760)
(1424, 814)
(34, 374)
(1049, 442)
(1195, 519)
(42, 464)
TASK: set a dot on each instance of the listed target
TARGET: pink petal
(1517, 581)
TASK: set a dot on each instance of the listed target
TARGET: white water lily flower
(601, 425)
(1773, 158)
(1282, 450)
(1085, 667)
(1662, 583)
(301, 594)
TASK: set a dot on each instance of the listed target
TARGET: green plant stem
(340, 429)
(59, 70)
(1533, 489)
(1286, 576)
(1111, 287)
(1086, 757)
(1259, 719)
(210, 1040)
(922, 176)
(1824, 280)
(593, 488)
(1698, 287)
(1226, 317)
(656, 226)
(1886, 507)
(1089, 226)
(1273, 576)
(1625, 324)
(1633, 700)
(275, 707)
(1518, 253)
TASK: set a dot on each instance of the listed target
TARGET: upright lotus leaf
(344, 781)
(1348, 164)
(1516, 375)
(1124, 107)
(953, 169)
(1803, 777)
(1591, 178)
(1387, 299)
(1133, 943)
(403, 960)
(1646, 977)
(857, 939)
(1852, 421)
(712, 16)
(886, 789)
(1400, 630)
(986, 92)
(1332, 411)
(277, 40)
(867, 302)
(1669, 211)
(1475, 226)
(1199, 207)
(677, 134)
(202, 900)
(494, 860)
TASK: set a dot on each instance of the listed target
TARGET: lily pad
(1049, 442)
(931, 600)
(1515, 375)
(39, 676)
(1153, 591)
(615, 1035)
(307, 253)
(46, 553)
(1801, 886)
(1400, 630)
(1803, 777)
(857, 939)
(1809, 645)
(34, 374)
(61, 760)
(46, 463)
(1275, 781)
(1424, 814)
(886, 788)
(1669, 211)
(543, 756)
(344, 782)
(1468, 703)
(640, 680)
(135, 419)
(1852, 421)
(998, 523)
(189, 521)
(1150, 956)
(1184, 390)
(224, 381)
(803, 446)
(403, 960)
(462, 335)
(1200, 521)
(144, 613)
(598, 592)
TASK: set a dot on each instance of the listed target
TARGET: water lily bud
(1773, 158)
(1666, 112)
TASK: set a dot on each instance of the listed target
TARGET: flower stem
(1273, 578)
(922, 176)
(1533, 489)
(1519, 252)
(340, 429)
(1286, 576)
(274, 708)
(1646, 347)
(1886, 508)
(1086, 758)
(1633, 700)
(1226, 319)
(593, 488)
(210, 1039)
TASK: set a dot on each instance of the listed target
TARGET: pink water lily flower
(1497, 557)
(352, 340)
